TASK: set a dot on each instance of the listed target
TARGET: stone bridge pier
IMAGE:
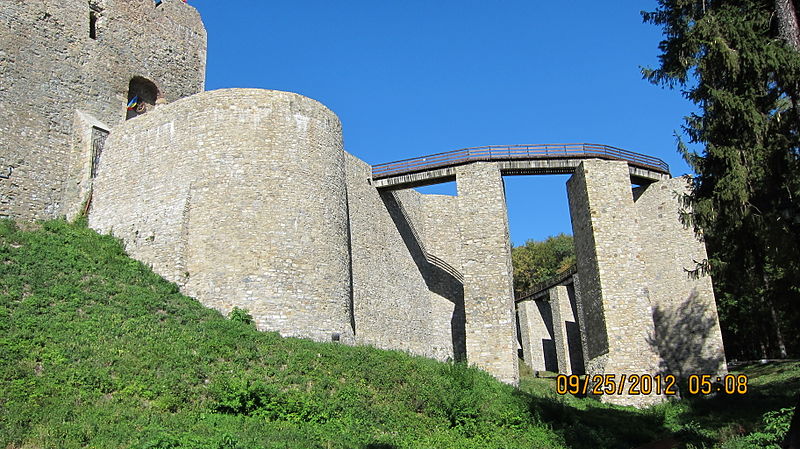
(617, 314)
(635, 310)
(488, 275)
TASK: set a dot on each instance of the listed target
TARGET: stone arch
(145, 92)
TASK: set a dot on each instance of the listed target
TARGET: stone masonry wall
(400, 299)
(486, 263)
(616, 308)
(562, 314)
(52, 71)
(536, 333)
(443, 246)
(239, 196)
(686, 324)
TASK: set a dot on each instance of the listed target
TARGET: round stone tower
(238, 195)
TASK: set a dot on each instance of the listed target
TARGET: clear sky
(414, 77)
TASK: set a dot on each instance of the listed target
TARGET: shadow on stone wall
(548, 344)
(573, 330)
(687, 338)
(440, 277)
(351, 306)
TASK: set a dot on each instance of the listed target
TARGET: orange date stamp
(647, 384)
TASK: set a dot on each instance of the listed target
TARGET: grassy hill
(96, 351)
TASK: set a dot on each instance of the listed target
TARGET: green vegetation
(739, 62)
(536, 261)
(99, 352)
(758, 419)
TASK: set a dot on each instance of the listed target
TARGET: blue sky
(417, 77)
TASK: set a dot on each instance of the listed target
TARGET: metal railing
(547, 284)
(517, 152)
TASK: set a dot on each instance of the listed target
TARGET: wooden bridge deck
(514, 160)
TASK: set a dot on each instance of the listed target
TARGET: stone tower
(68, 69)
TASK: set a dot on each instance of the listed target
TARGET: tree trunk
(778, 334)
(792, 440)
(788, 28)
(789, 31)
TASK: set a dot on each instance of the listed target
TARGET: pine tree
(739, 62)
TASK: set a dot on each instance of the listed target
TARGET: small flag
(133, 103)
(158, 2)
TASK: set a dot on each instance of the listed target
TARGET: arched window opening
(142, 97)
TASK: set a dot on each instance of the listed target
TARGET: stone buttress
(617, 312)
(486, 262)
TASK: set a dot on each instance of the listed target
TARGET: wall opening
(538, 209)
(444, 188)
(93, 24)
(142, 96)
(95, 14)
(99, 136)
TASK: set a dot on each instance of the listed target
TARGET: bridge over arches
(540, 159)
(627, 308)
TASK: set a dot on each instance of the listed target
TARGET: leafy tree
(536, 261)
(738, 61)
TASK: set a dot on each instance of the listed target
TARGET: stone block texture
(407, 291)
(687, 330)
(51, 68)
(616, 305)
(491, 341)
(562, 316)
(536, 335)
(239, 196)
(246, 198)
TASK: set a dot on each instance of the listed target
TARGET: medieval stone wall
(446, 280)
(616, 307)
(56, 81)
(687, 330)
(239, 196)
(246, 198)
(491, 341)
(401, 299)
(535, 319)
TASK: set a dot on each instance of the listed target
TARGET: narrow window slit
(92, 24)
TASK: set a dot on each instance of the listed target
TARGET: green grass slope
(96, 351)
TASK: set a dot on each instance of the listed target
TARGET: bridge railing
(511, 152)
(547, 284)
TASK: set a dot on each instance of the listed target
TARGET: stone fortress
(246, 198)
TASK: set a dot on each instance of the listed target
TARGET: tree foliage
(536, 261)
(737, 60)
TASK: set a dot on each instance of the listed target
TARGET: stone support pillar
(488, 289)
(562, 312)
(535, 325)
(616, 307)
(685, 314)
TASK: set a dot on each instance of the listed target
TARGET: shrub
(240, 316)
